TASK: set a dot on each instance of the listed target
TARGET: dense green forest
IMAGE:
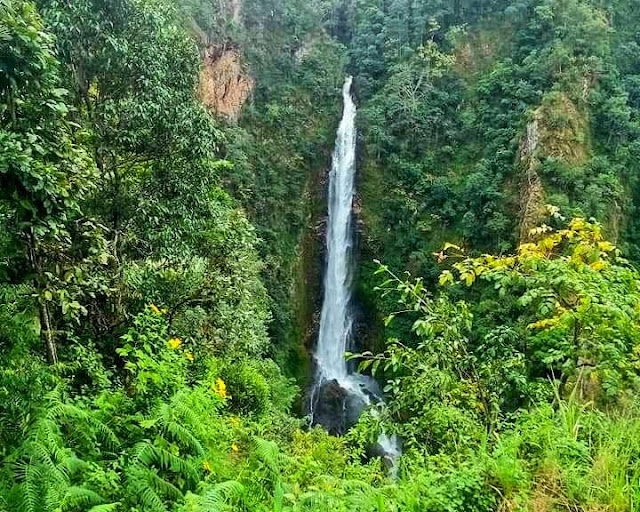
(163, 172)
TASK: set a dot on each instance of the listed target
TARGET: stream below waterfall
(339, 395)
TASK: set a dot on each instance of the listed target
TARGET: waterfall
(336, 321)
(339, 396)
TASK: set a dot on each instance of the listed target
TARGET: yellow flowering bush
(220, 388)
(150, 356)
(174, 343)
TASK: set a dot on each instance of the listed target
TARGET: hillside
(166, 228)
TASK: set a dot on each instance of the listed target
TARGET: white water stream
(336, 320)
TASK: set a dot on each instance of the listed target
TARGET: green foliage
(570, 455)
(155, 363)
(578, 301)
(446, 158)
(45, 177)
(539, 397)
(259, 387)
(46, 464)
(435, 385)
(147, 246)
(172, 235)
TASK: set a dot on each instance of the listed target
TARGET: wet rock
(329, 406)
(336, 408)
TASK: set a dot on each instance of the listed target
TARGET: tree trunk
(45, 316)
(50, 344)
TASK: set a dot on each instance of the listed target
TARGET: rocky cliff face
(225, 84)
(532, 195)
(558, 133)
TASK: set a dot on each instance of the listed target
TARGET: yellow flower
(220, 388)
(234, 447)
(234, 421)
(206, 465)
(188, 355)
(174, 343)
(154, 309)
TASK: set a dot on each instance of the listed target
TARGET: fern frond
(54, 495)
(42, 483)
(83, 424)
(143, 452)
(269, 453)
(47, 432)
(64, 411)
(56, 470)
(30, 495)
(81, 497)
(168, 461)
(106, 434)
(39, 456)
(215, 499)
(184, 411)
(161, 486)
(45, 463)
(107, 507)
(174, 418)
(140, 488)
(182, 435)
(151, 501)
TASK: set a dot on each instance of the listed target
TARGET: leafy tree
(45, 176)
(577, 297)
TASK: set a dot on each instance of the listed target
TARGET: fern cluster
(48, 471)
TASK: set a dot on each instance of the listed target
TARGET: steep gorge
(277, 96)
(465, 138)
(170, 206)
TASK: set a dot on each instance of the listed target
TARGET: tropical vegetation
(160, 261)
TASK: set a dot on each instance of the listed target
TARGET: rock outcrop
(532, 195)
(558, 131)
(337, 409)
(224, 83)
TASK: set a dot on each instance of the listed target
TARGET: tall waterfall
(336, 321)
(339, 396)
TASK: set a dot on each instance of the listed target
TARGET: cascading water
(336, 321)
(339, 396)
